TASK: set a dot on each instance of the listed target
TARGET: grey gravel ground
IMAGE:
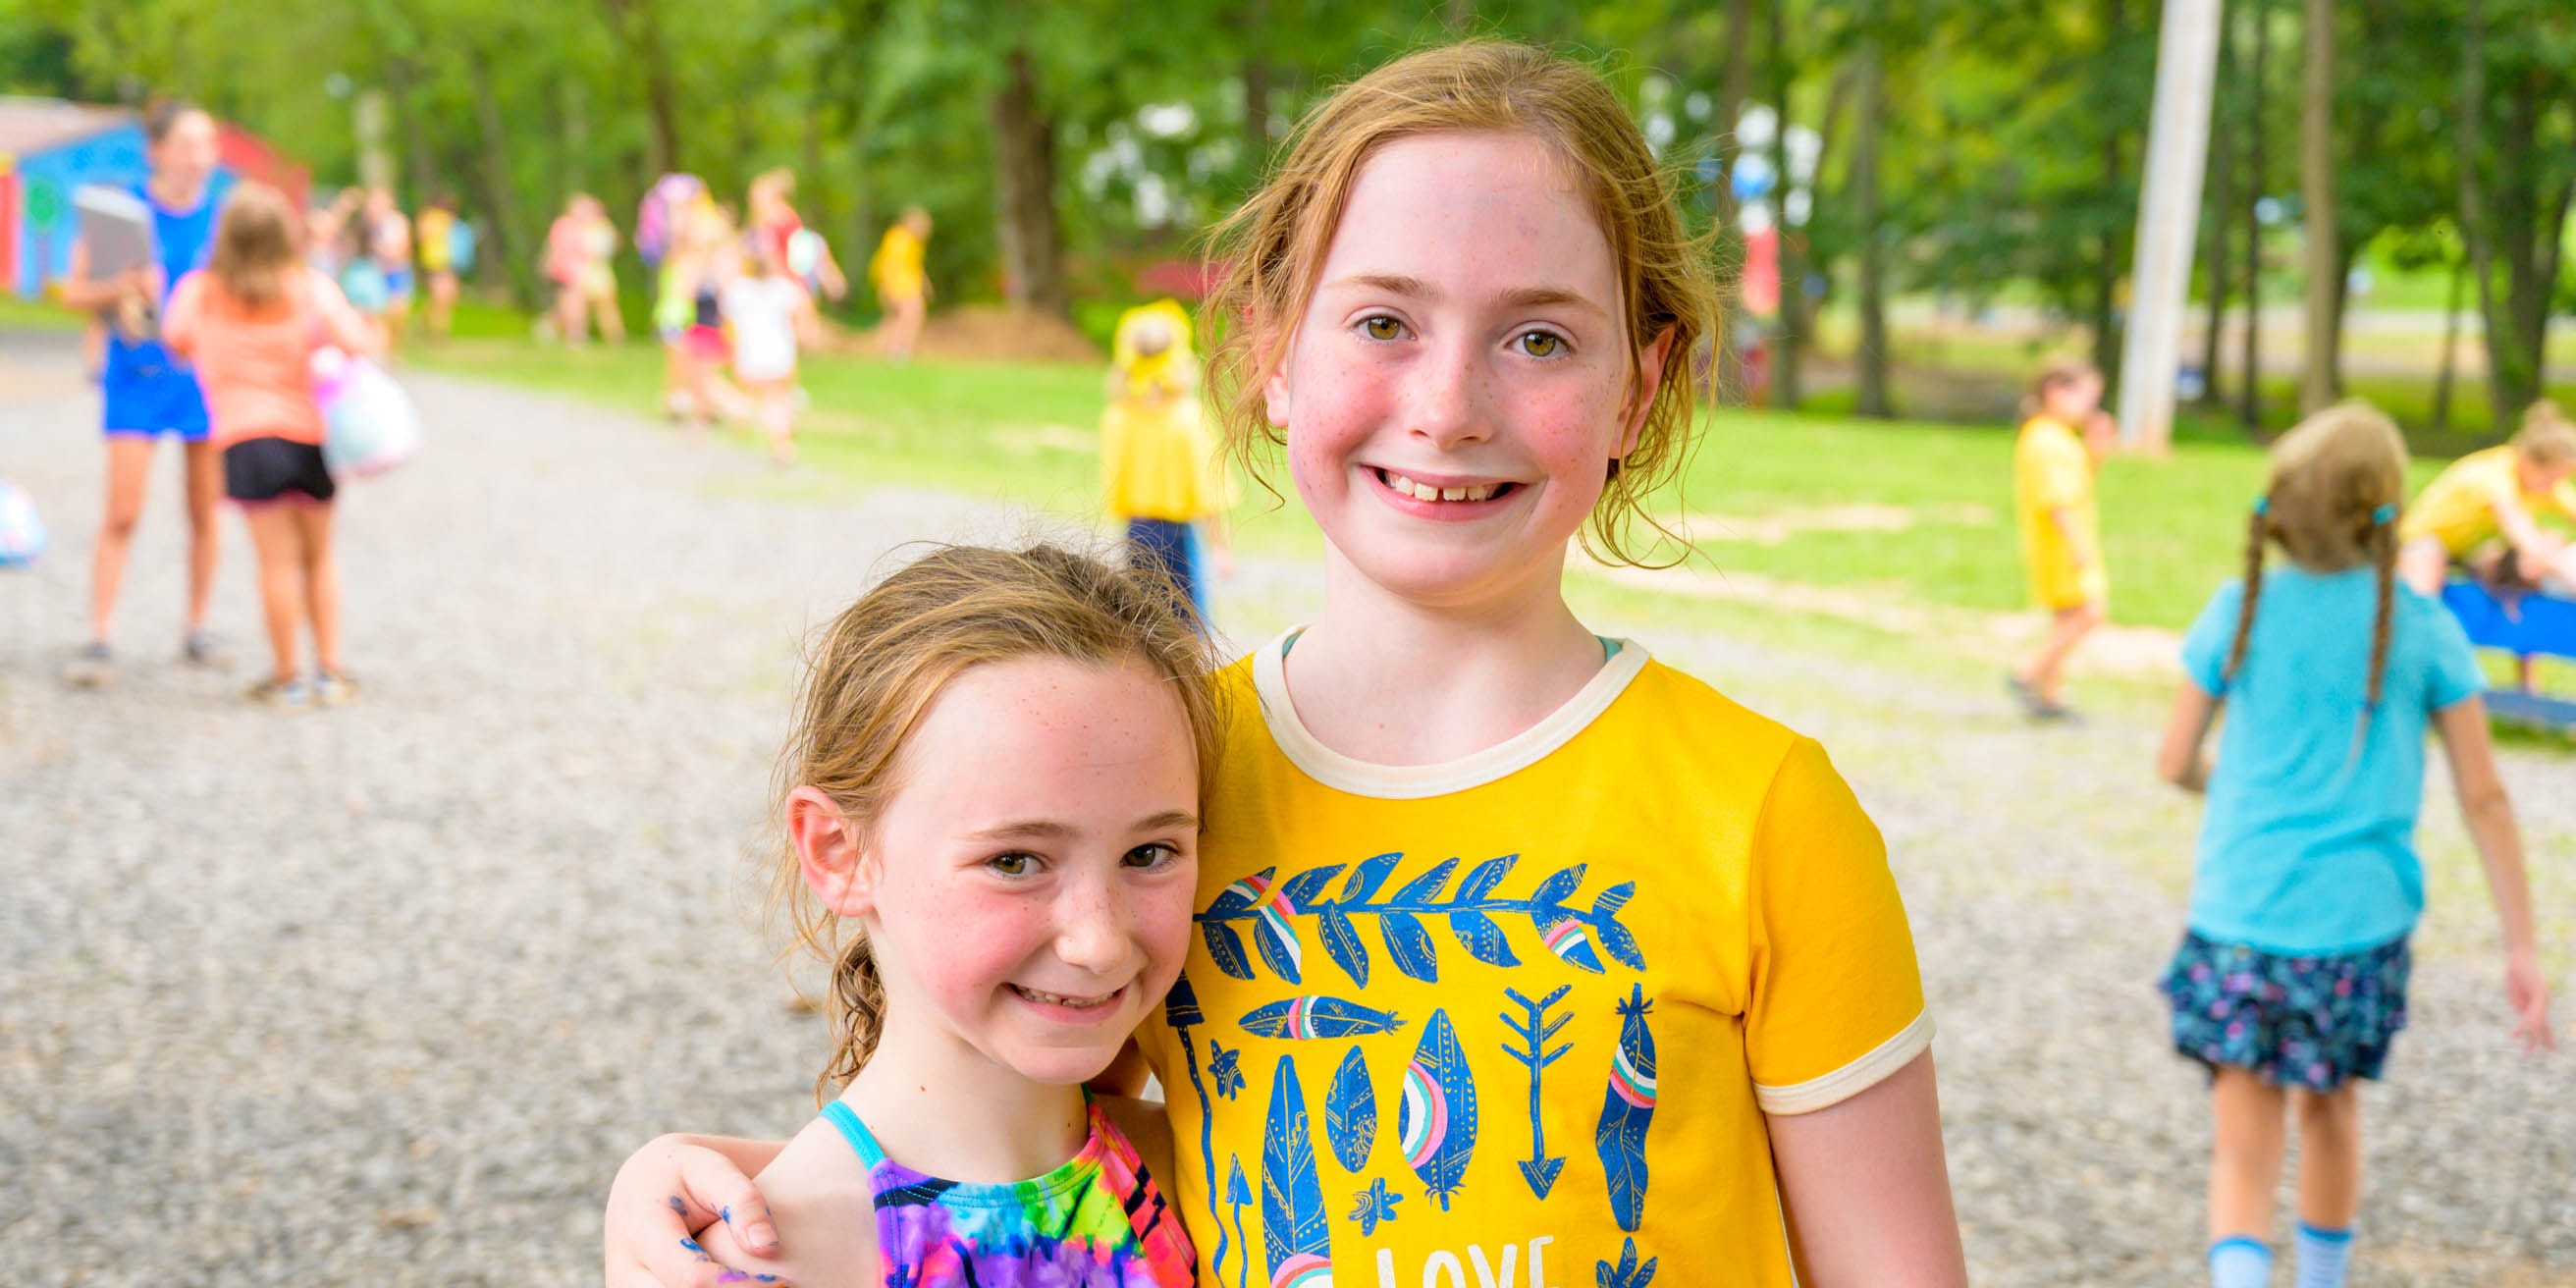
(383, 994)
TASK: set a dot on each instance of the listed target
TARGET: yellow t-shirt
(2051, 471)
(896, 267)
(1430, 1013)
(1158, 458)
(434, 231)
(2456, 508)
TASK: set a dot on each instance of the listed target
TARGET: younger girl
(903, 285)
(688, 315)
(2292, 977)
(2061, 531)
(250, 321)
(1519, 956)
(1158, 462)
(769, 314)
(992, 820)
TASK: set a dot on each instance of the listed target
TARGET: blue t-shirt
(2309, 844)
(180, 241)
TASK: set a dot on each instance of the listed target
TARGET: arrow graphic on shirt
(1535, 1028)
(1266, 906)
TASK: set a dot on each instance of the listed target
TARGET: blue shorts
(1170, 550)
(398, 283)
(156, 400)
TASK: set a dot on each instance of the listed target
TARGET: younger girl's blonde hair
(2546, 438)
(885, 659)
(2058, 374)
(2338, 480)
(256, 250)
(1274, 244)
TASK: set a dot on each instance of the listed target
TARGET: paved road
(383, 994)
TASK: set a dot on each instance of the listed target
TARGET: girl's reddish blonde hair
(881, 664)
(256, 250)
(1273, 245)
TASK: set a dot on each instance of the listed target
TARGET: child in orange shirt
(250, 321)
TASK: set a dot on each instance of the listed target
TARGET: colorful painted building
(50, 147)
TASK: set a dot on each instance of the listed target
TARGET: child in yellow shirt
(2061, 528)
(1158, 463)
(903, 285)
(2499, 493)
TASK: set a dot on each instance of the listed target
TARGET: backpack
(369, 423)
(22, 534)
(460, 247)
(658, 217)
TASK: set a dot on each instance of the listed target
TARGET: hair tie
(2384, 515)
(2262, 505)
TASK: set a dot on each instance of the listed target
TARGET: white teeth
(1426, 492)
(1056, 999)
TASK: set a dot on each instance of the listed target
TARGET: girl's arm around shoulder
(1867, 1189)
(819, 1196)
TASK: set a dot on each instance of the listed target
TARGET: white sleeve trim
(1851, 1079)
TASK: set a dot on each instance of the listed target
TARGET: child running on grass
(250, 321)
(769, 313)
(991, 830)
(1158, 463)
(2290, 984)
(1516, 949)
(688, 315)
(2061, 530)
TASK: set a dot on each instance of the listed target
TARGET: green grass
(20, 313)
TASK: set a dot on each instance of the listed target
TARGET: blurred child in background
(250, 321)
(1158, 461)
(769, 314)
(688, 315)
(2061, 530)
(2290, 983)
(903, 285)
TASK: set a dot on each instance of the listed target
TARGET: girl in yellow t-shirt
(1158, 465)
(903, 284)
(1519, 956)
(2061, 529)
(2500, 493)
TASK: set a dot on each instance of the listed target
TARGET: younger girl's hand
(666, 1193)
(2527, 991)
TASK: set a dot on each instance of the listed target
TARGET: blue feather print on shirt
(1296, 1235)
(1300, 1019)
(1350, 1112)
(1627, 1274)
(1435, 1123)
(1627, 1110)
(1474, 913)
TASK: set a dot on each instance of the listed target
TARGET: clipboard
(117, 227)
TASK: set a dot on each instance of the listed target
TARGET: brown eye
(1011, 865)
(1382, 327)
(1542, 344)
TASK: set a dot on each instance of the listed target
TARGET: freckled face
(1453, 391)
(1032, 875)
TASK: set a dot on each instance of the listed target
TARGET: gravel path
(384, 993)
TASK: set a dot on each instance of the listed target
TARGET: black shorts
(259, 470)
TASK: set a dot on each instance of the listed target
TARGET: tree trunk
(2222, 229)
(1024, 158)
(417, 161)
(2323, 255)
(2450, 350)
(2473, 207)
(1785, 393)
(2249, 410)
(1870, 364)
(511, 247)
(639, 25)
(2109, 262)
(1734, 84)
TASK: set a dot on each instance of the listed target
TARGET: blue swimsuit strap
(865, 1143)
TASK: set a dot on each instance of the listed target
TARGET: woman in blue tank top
(149, 393)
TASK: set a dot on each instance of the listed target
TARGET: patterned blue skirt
(2307, 1022)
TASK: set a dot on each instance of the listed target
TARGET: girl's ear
(1650, 381)
(1274, 385)
(831, 852)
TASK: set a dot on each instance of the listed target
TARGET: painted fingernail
(690, 1244)
(733, 1277)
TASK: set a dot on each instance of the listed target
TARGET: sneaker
(332, 690)
(275, 692)
(201, 648)
(2034, 706)
(94, 667)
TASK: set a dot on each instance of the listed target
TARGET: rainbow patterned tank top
(1097, 1221)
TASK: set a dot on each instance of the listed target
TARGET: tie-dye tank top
(1097, 1221)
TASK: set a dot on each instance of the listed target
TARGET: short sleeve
(2453, 676)
(2060, 474)
(2212, 634)
(1836, 1000)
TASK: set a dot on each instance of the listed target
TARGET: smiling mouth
(1069, 1003)
(1403, 486)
